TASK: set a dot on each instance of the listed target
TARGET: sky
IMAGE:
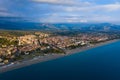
(62, 11)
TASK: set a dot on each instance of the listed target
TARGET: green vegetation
(75, 46)
(4, 41)
(51, 50)
(10, 33)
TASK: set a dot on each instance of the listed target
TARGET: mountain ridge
(24, 25)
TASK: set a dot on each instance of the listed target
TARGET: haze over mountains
(14, 24)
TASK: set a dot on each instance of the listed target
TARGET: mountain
(90, 26)
(15, 24)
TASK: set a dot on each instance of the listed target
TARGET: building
(28, 39)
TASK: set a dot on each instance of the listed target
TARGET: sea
(100, 63)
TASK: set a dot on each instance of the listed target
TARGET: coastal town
(14, 49)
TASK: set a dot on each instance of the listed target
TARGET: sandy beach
(40, 59)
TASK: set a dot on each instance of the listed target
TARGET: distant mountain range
(24, 25)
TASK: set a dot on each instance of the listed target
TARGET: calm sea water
(101, 63)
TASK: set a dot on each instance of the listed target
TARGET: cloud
(111, 7)
(77, 18)
(61, 10)
(63, 2)
(4, 12)
(59, 18)
(15, 8)
(55, 1)
(107, 7)
(2, 9)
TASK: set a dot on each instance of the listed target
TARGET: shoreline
(49, 57)
(77, 50)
